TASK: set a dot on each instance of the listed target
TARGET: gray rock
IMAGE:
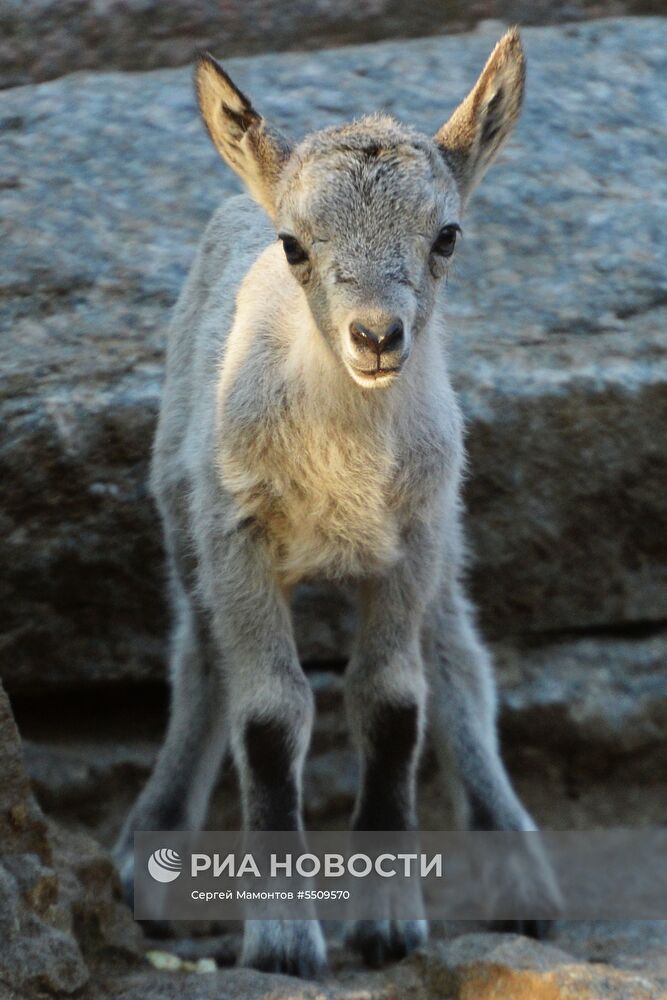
(42, 39)
(246, 984)
(557, 314)
(484, 965)
(583, 726)
(638, 946)
(38, 950)
(22, 825)
(59, 895)
(604, 697)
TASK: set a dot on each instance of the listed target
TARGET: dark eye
(293, 250)
(446, 241)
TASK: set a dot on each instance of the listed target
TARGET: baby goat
(309, 428)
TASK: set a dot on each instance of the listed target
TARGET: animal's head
(368, 213)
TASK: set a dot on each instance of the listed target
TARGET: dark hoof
(378, 942)
(303, 966)
(537, 929)
(158, 929)
(290, 947)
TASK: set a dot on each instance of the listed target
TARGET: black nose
(379, 341)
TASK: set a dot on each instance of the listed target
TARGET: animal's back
(236, 234)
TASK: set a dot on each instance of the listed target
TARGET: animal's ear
(477, 130)
(254, 151)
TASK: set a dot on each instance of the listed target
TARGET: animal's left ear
(477, 130)
(255, 151)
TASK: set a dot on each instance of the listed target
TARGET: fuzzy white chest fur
(324, 502)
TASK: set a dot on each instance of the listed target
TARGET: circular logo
(164, 865)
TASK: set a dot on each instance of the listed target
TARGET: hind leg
(463, 721)
(177, 794)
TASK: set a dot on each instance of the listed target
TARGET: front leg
(270, 717)
(385, 698)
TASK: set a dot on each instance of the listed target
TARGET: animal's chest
(326, 505)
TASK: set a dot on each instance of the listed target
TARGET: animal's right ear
(254, 151)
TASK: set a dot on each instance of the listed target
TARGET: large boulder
(60, 903)
(43, 39)
(484, 967)
(557, 311)
(470, 967)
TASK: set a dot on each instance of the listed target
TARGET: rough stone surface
(446, 970)
(38, 949)
(42, 39)
(583, 730)
(22, 826)
(557, 313)
(608, 695)
(638, 946)
(59, 898)
(465, 967)
(484, 967)
(244, 984)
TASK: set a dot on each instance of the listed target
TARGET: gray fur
(281, 455)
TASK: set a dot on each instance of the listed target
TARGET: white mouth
(373, 377)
